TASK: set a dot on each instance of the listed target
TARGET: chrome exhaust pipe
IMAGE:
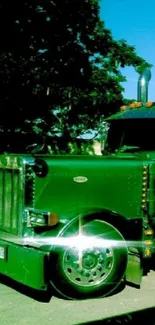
(143, 81)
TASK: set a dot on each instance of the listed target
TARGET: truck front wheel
(94, 269)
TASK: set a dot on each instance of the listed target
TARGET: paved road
(19, 309)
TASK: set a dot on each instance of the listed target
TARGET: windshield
(129, 135)
(23, 143)
(14, 142)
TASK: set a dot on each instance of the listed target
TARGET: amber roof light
(136, 105)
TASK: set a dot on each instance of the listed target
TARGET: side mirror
(40, 168)
(35, 148)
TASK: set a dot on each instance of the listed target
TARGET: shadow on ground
(40, 296)
(142, 317)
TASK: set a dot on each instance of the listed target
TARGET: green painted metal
(23, 264)
(113, 183)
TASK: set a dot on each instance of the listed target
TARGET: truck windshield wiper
(129, 149)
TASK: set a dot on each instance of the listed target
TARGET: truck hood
(78, 183)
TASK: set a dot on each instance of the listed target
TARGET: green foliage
(129, 101)
(64, 47)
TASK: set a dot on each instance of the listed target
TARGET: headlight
(37, 218)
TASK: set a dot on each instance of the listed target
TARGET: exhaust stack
(143, 82)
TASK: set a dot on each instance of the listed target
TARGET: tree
(60, 49)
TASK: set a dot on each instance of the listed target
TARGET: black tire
(101, 269)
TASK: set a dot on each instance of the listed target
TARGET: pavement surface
(19, 306)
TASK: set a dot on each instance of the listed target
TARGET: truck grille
(29, 185)
(11, 185)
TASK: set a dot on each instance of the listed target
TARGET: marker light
(132, 105)
(138, 104)
(149, 232)
(149, 104)
(147, 252)
(123, 108)
(53, 219)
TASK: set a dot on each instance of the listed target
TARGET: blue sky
(133, 20)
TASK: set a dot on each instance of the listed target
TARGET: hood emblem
(80, 179)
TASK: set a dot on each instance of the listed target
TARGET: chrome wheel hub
(88, 267)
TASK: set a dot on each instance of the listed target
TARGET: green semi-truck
(83, 224)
